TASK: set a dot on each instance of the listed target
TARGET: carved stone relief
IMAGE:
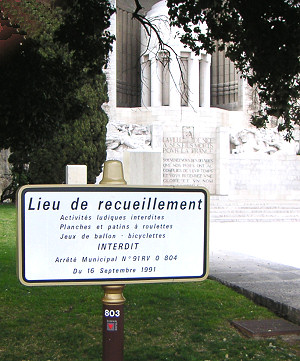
(267, 141)
(128, 136)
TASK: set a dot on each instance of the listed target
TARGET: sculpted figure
(267, 141)
(130, 136)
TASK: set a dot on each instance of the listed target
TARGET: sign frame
(23, 215)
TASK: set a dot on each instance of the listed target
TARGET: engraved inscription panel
(189, 160)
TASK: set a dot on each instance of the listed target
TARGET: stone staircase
(223, 209)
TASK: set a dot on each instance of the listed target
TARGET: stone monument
(177, 138)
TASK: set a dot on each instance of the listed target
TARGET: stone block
(142, 167)
(76, 174)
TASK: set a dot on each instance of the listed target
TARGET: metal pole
(113, 300)
(113, 323)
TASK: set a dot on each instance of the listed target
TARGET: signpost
(112, 235)
(113, 300)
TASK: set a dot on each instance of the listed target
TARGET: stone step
(224, 210)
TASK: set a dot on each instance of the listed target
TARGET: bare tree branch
(149, 26)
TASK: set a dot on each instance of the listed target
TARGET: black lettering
(119, 202)
(84, 205)
(74, 204)
(171, 204)
(30, 208)
(46, 205)
(136, 205)
(108, 205)
(183, 205)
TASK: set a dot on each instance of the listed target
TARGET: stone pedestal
(76, 174)
(142, 167)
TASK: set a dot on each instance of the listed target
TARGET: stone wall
(263, 165)
(264, 176)
(208, 148)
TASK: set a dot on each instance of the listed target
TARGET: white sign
(111, 235)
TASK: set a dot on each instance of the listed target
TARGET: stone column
(156, 87)
(175, 99)
(194, 82)
(146, 81)
(205, 81)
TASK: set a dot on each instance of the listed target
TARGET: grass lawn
(176, 322)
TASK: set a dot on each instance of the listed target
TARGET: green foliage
(53, 89)
(262, 38)
(79, 142)
(84, 31)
